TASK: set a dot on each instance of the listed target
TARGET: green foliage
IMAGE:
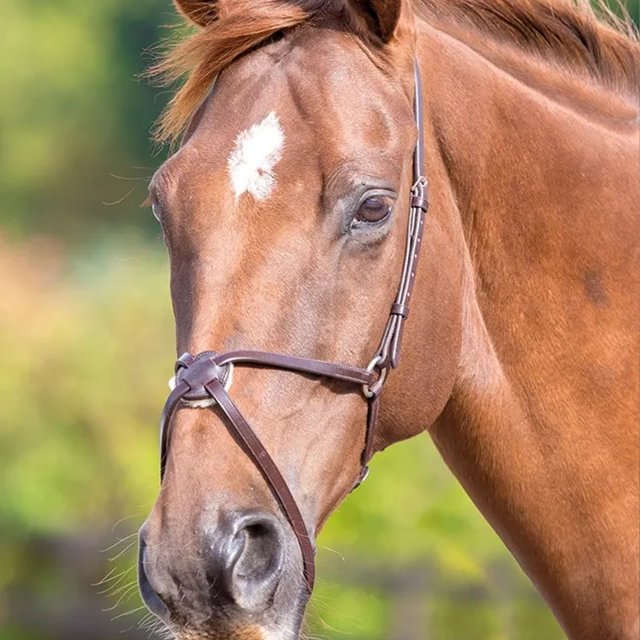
(58, 331)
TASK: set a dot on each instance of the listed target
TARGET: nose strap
(260, 457)
(203, 377)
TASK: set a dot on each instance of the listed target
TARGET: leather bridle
(206, 377)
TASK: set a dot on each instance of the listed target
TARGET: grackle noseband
(207, 376)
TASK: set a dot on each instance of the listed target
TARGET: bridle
(206, 377)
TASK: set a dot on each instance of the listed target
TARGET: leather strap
(270, 472)
(204, 376)
(343, 372)
(388, 353)
(165, 420)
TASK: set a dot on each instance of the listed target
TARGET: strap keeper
(184, 361)
(398, 309)
(418, 202)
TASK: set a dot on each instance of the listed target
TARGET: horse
(290, 211)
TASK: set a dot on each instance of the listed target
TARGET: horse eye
(374, 210)
(157, 213)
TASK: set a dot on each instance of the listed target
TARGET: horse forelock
(239, 27)
(594, 42)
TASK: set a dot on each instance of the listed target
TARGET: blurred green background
(83, 280)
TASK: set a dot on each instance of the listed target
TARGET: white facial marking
(255, 153)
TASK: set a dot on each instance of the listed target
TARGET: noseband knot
(199, 371)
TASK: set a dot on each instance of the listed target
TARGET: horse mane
(583, 36)
(593, 41)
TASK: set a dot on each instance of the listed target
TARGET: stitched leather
(204, 375)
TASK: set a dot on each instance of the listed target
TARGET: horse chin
(288, 627)
(252, 632)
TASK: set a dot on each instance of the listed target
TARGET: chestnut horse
(285, 213)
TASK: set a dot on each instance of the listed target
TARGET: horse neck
(541, 426)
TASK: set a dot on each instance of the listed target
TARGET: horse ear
(202, 12)
(380, 16)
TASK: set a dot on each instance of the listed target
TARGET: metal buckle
(419, 186)
(364, 474)
(373, 390)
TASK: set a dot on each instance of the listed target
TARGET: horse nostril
(255, 561)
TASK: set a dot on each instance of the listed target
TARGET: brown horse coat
(522, 354)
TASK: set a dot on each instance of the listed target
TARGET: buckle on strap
(364, 474)
(373, 389)
(419, 186)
